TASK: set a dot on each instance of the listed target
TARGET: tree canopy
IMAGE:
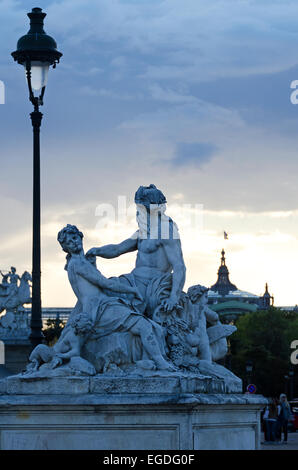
(53, 330)
(264, 337)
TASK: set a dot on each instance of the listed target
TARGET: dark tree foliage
(264, 337)
(53, 330)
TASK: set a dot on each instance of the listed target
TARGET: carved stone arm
(113, 251)
(90, 273)
(175, 257)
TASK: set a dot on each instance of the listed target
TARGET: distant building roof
(225, 298)
(233, 294)
(223, 284)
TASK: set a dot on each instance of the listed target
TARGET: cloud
(165, 40)
(106, 93)
(193, 153)
(170, 96)
(203, 86)
(171, 41)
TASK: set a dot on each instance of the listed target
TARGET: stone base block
(135, 421)
(170, 383)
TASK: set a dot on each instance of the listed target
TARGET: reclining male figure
(110, 314)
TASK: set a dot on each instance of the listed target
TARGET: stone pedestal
(130, 413)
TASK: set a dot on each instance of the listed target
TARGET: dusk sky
(193, 96)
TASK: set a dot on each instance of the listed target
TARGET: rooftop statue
(142, 322)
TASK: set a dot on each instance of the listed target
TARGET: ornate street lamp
(36, 51)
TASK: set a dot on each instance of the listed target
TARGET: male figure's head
(151, 207)
(70, 239)
(149, 195)
(13, 270)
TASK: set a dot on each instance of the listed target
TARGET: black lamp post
(36, 51)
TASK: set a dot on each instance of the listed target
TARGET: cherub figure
(209, 334)
(68, 346)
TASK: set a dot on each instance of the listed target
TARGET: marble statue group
(141, 322)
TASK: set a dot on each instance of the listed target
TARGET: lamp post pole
(36, 335)
(36, 51)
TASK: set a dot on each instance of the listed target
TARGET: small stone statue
(14, 293)
(211, 339)
(67, 348)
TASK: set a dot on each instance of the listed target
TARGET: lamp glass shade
(39, 74)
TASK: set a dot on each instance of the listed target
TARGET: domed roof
(223, 284)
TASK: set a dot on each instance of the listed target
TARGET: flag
(225, 235)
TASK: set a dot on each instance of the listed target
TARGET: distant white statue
(14, 293)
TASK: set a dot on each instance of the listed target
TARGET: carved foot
(162, 364)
